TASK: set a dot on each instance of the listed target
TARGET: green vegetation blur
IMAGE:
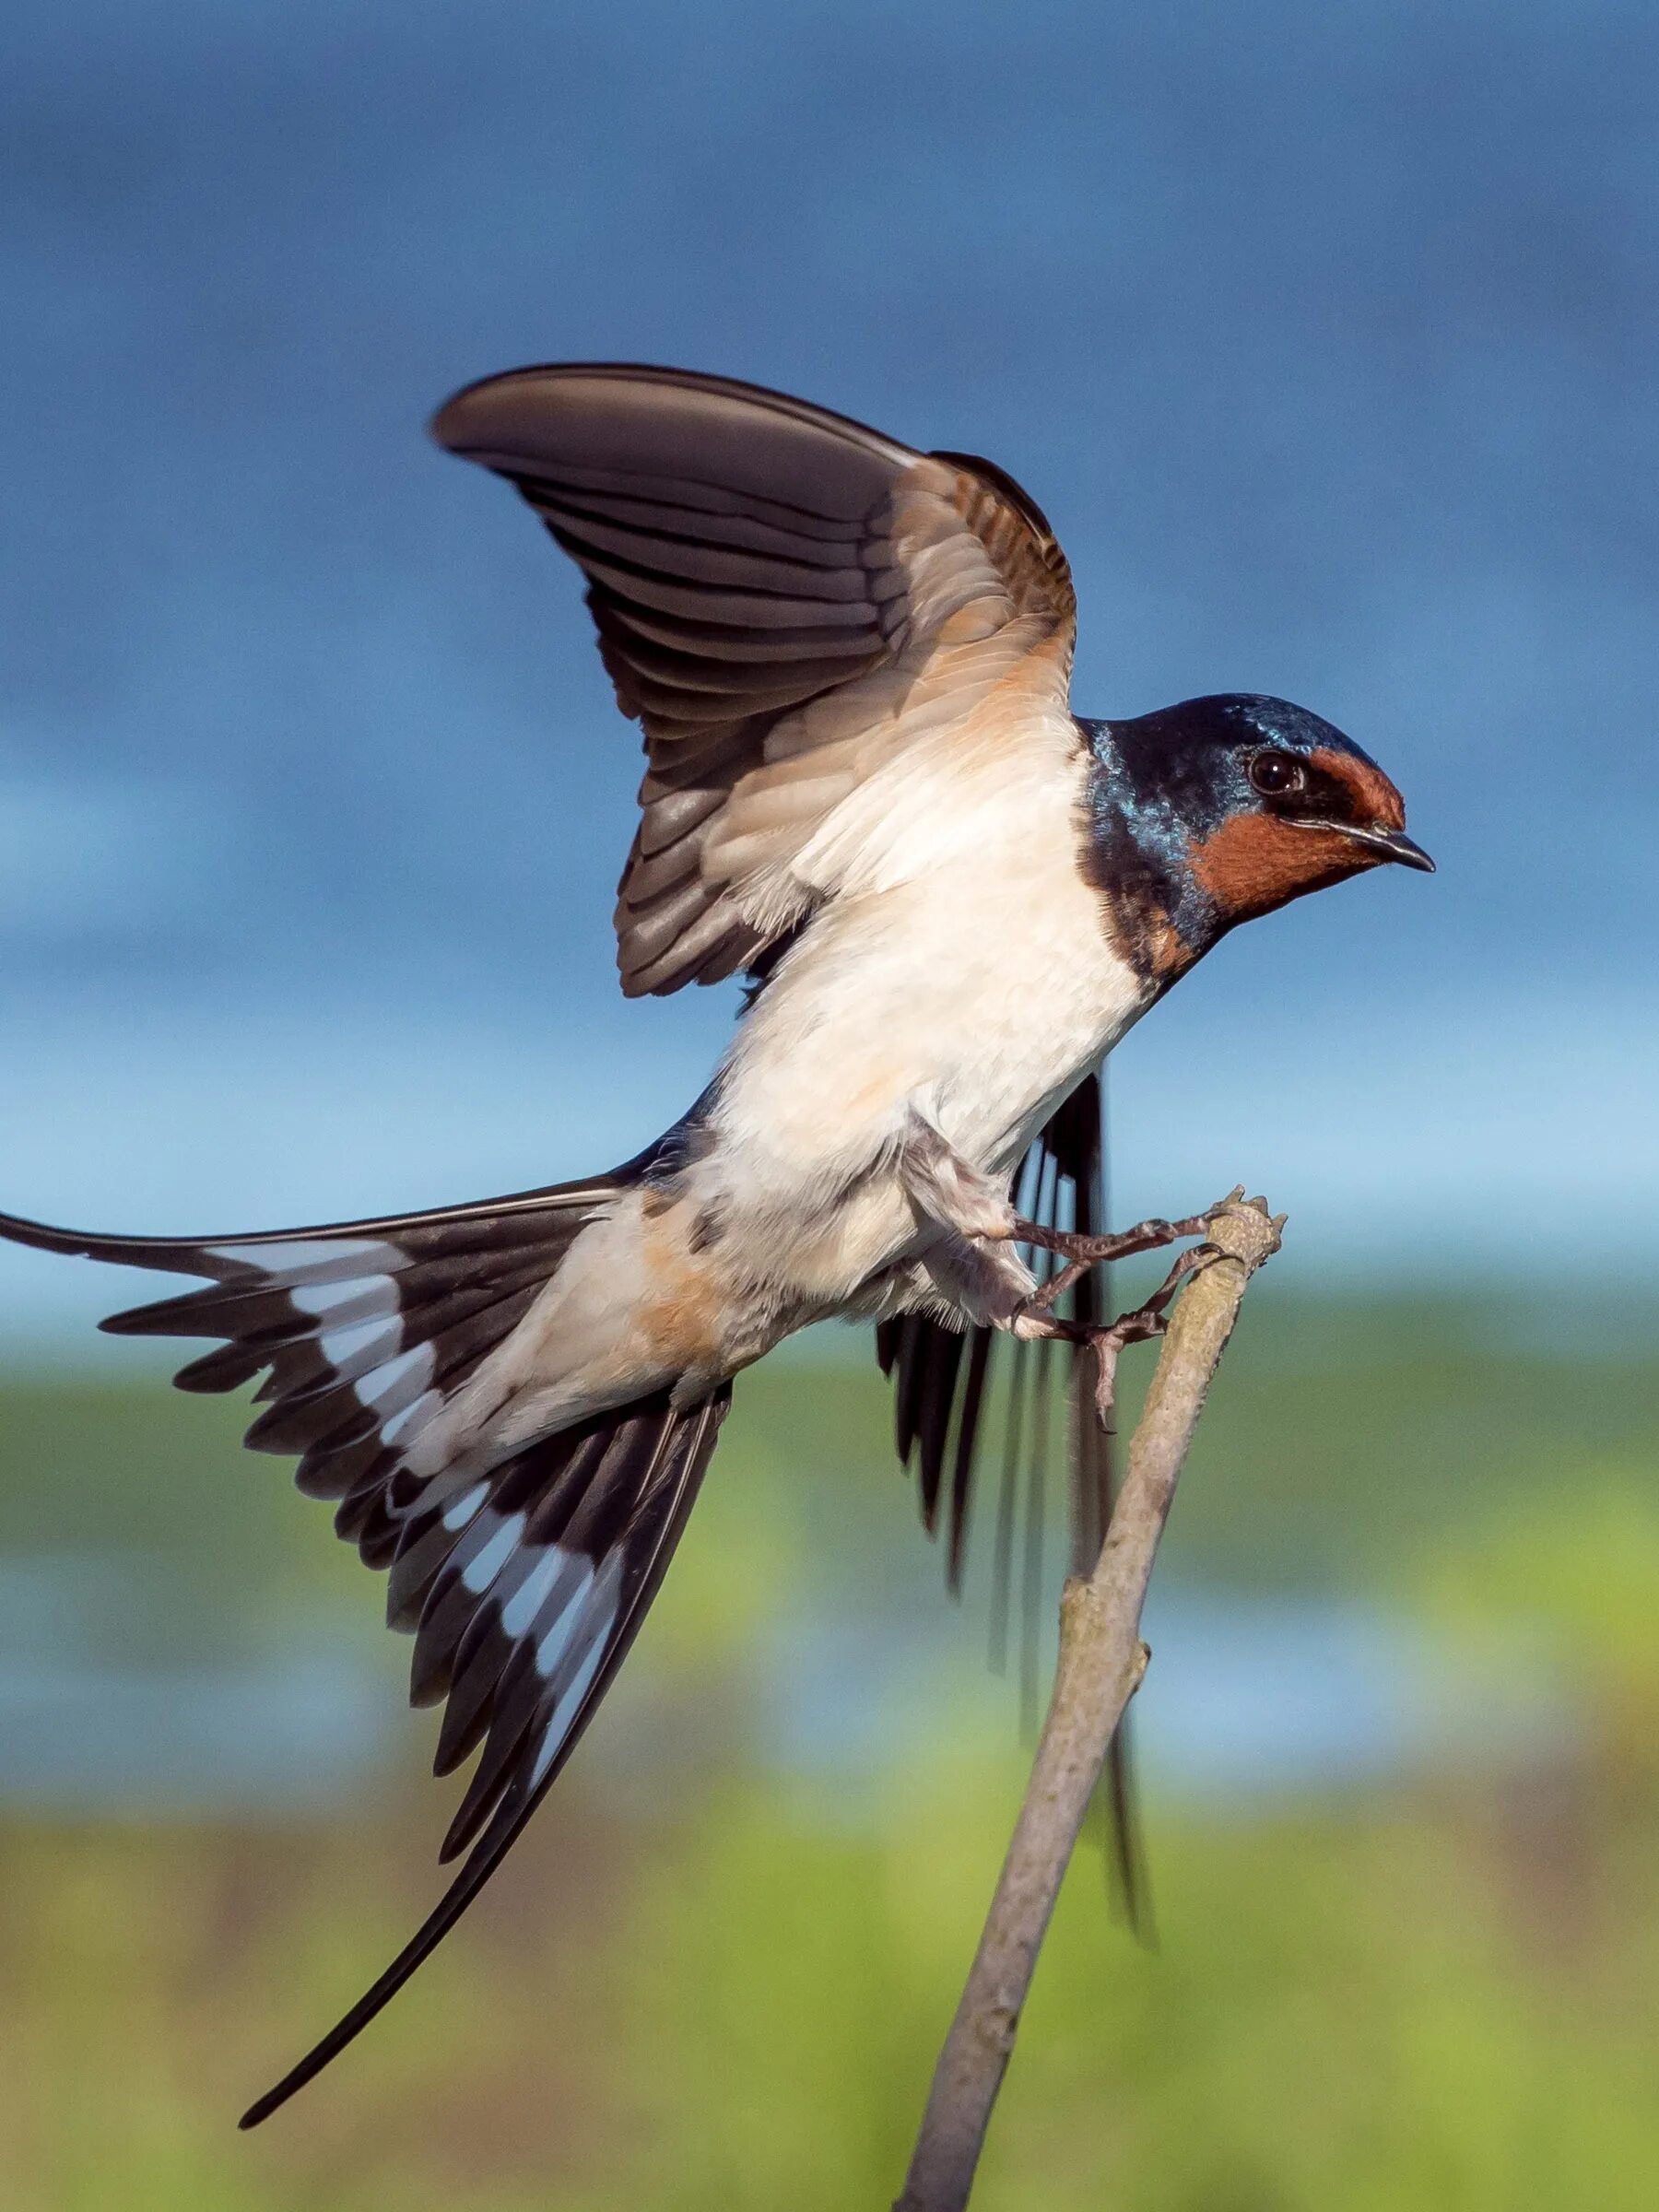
(714, 1975)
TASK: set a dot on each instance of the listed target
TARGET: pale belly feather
(978, 997)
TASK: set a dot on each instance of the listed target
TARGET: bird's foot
(1035, 1315)
(1080, 1252)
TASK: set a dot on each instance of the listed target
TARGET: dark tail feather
(1122, 1838)
(661, 1497)
(1061, 1182)
(1036, 1514)
(177, 1253)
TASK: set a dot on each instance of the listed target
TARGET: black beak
(1389, 844)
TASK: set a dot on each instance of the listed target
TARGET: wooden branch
(1100, 1664)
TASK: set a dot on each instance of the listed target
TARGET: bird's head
(1207, 814)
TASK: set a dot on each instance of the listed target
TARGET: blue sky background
(1326, 337)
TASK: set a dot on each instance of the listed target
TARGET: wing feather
(772, 585)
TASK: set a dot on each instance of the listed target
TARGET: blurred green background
(1400, 1742)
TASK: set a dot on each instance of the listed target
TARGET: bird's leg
(1135, 1328)
(1143, 1322)
(974, 1263)
(946, 1188)
(1082, 1252)
(968, 1221)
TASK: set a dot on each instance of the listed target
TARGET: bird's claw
(1035, 1317)
(1031, 1319)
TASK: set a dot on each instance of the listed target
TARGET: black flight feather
(938, 1395)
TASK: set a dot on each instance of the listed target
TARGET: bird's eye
(1276, 774)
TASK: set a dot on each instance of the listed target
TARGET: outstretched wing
(942, 1394)
(797, 609)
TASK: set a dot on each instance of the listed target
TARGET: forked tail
(524, 1582)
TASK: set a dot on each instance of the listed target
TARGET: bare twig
(1100, 1664)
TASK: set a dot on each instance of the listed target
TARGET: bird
(867, 794)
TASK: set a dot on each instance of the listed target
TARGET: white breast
(979, 991)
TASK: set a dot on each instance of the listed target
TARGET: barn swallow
(865, 790)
